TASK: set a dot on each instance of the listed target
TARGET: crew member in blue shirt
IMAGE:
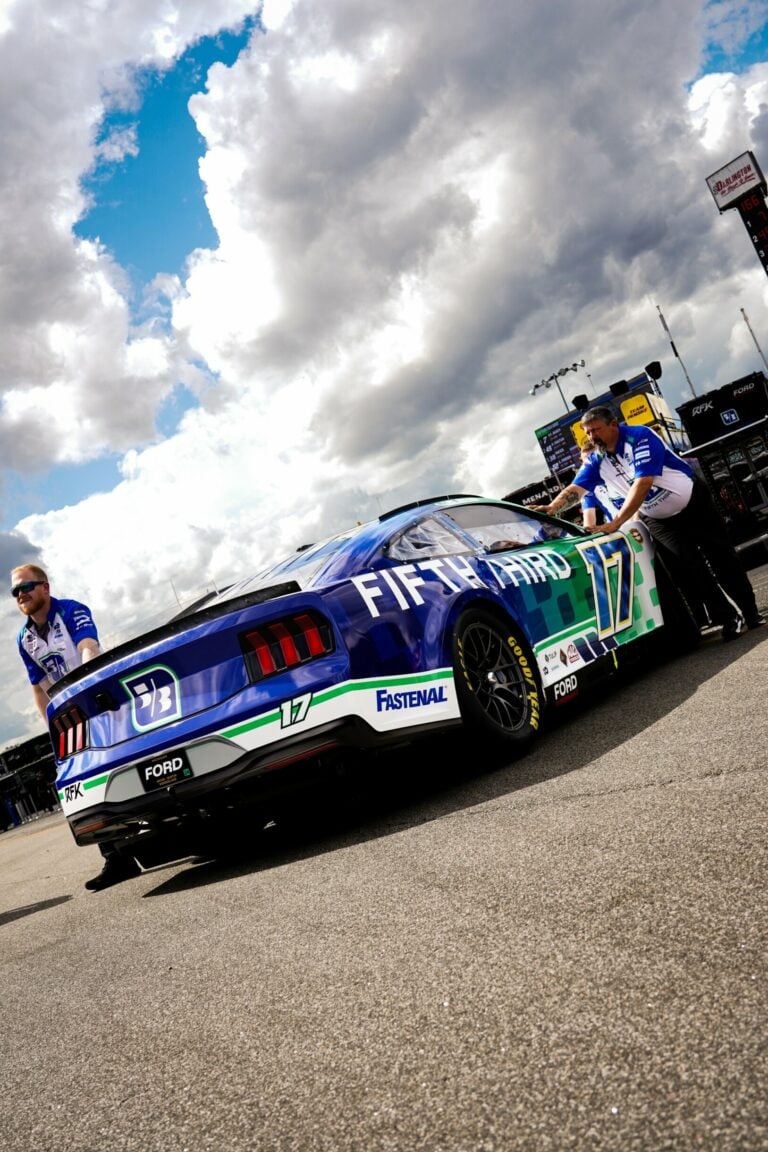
(646, 478)
(57, 636)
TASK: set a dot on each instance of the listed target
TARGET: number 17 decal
(610, 563)
(294, 711)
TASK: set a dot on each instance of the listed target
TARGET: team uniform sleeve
(78, 621)
(648, 452)
(589, 500)
(588, 476)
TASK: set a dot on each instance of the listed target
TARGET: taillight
(69, 730)
(285, 643)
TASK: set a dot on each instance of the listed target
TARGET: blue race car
(454, 610)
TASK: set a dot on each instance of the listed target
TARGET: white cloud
(418, 218)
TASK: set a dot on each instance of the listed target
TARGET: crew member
(57, 636)
(644, 476)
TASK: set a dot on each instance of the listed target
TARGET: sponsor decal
(163, 768)
(744, 388)
(389, 701)
(697, 409)
(532, 690)
(73, 792)
(55, 665)
(566, 689)
(729, 416)
(157, 774)
(155, 695)
(569, 655)
(529, 568)
(402, 583)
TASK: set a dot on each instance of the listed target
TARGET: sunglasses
(27, 586)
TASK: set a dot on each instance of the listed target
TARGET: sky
(268, 270)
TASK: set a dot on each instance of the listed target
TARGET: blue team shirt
(639, 452)
(601, 498)
(56, 654)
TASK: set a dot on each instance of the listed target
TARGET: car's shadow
(429, 779)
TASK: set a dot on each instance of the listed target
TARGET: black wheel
(496, 679)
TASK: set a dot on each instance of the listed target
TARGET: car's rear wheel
(496, 679)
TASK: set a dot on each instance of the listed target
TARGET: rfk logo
(155, 697)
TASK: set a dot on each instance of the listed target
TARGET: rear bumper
(252, 778)
(248, 777)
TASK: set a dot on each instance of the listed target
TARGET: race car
(457, 610)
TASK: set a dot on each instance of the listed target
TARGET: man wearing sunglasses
(57, 636)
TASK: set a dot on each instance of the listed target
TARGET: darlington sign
(730, 183)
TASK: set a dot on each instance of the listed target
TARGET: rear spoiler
(179, 623)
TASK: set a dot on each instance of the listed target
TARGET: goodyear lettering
(387, 701)
(530, 681)
(73, 792)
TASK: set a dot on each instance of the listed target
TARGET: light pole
(746, 321)
(555, 379)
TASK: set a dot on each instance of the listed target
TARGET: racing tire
(497, 681)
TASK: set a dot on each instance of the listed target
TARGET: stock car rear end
(454, 610)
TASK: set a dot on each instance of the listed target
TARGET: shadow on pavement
(30, 909)
(380, 794)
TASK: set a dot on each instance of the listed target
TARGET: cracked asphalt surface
(564, 953)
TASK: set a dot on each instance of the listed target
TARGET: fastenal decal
(387, 701)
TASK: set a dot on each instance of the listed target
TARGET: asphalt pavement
(446, 954)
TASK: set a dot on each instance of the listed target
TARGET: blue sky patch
(740, 57)
(148, 208)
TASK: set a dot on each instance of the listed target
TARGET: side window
(498, 528)
(428, 537)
